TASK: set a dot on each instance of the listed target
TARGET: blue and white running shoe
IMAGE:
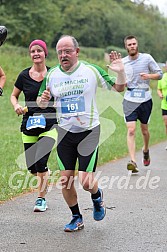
(75, 224)
(40, 205)
(99, 209)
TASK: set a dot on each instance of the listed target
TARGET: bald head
(67, 50)
(68, 39)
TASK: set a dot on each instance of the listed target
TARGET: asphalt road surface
(136, 217)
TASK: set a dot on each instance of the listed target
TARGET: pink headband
(40, 43)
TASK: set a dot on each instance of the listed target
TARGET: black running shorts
(164, 112)
(137, 111)
(81, 147)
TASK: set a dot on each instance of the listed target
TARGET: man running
(140, 68)
(73, 85)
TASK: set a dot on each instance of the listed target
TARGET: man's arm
(156, 72)
(151, 76)
(118, 67)
(117, 82)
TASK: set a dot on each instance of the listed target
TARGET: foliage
(92, 52)
(94, 23)
(29, 20)
(114, 48)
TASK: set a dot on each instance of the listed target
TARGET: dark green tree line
(94, 23)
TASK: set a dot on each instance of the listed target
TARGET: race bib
(137, 93)
(72, 106)
(36, 122)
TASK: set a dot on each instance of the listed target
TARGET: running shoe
(40, 205)
(146, 158)
(132, 166)
(75, 224)
(166, 148)
(99, 209)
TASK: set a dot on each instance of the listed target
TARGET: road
(136, 218)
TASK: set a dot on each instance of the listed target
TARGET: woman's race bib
(36, 122)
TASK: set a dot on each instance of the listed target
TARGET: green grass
(14, 60)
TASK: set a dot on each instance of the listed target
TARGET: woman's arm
(14, 100)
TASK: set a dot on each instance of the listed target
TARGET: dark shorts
(137, 111)
(164, 112)
(81, 147)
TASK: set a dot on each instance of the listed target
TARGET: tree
(31, 20)
(94, 23)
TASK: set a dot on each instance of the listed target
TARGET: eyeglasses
(67, 51)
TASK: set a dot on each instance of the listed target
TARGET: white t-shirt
(143, 64)
(75, 95)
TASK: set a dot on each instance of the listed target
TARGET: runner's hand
(116, 62)
(45, 97)
(19, 109)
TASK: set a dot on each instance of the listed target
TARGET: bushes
(118, 49)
